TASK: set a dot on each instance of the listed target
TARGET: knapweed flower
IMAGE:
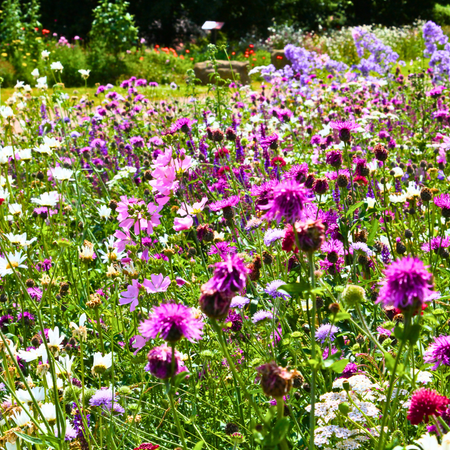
(438, 353)
(426, 403)
(275, 381)
(443, 202)
(229, 275)
(344, 129)
(225, 206)
(407, 285)
(309, 235)
(288, 201)
(160, 362)
(326, 331)
(172, 322)
(213, 303)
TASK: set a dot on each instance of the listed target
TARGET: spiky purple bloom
(443, 202)
(437, 243)
(171, 322)
(344, 129)
(225, 203)
(349, 370)
(298, 172)
(438, 353)
(326, 331)
(407, 284)
(288, 201)
(259, 316)
(229, 275)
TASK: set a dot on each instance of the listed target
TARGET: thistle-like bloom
(171, 322)
(229, 275)
(407, 284)
(160, 362)
(344, 129)
(310, 235)
(326, 331)
(426, 403)
(443, 202)
(288, 201)
(438, 353)
(225, 203)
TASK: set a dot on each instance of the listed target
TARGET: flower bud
(353, 295)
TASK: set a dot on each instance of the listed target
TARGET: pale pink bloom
(194, 209)
(157, 284)
(165, 180)
(131, 295)
(183, 223)
(183, 163)
(123, 240)
(153, 221)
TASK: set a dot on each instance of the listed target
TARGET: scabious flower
(273, 235)
(171, 322)
(261, 316)
(426, 403)
(239, 302)
(272, 289)
(438, 353)
(407, 285)
(326, 331)
(288, 201)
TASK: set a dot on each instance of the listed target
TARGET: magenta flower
(288, 200)
(344, 129)
(438, 353)
(157, 284)
(426, 403)
(407, 284)
(225, 203)
(171, 322)
(183, 223)
(229, 275)
(160, 362)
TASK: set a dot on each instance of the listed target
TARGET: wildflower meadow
(253, 267)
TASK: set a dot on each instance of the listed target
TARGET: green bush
(441, 14)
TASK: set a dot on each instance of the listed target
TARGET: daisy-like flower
(11, 262)
(193, 210)
(426, 403)
(48, 199)
(407, 284)
(104, 212)
(101, 363)
(55, 340)
(15, 209)
(438, 353)
(288, 201)
(226, 203)
(61, 174)
(20, 239)
(84, 73)
(80, 330)
(172, 322)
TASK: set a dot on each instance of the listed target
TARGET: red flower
(425, 403)
(361, 179)
(278, 161)
(147, 447)
(1, 201)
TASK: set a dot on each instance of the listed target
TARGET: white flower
(45, 54)
(55, 339)
(48, 199)
(19, 84)
(34, 353)
(61, 174)
(24, 155)
(413, 190)
(43, 148)
(101, 363)
(52, 142)
(424, 377)
(194, 209)
(35, 73)
(64, 365)
(42, 83)
(38, 393)
(11, 262)
(80, 329)
(6, 112)
(370, 202)
(84, 73)
(56, 66)
(21, 419)
(48, 410)
(20, 239)
(398, 172)
(104, 212)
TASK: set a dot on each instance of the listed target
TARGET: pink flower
(131, 295)
(183, 223)
(157, 284)
(165, 180)
(194, 209)
(123, 240)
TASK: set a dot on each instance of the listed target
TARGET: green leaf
(352, 209)
(341, 316)
(278, 433)
(199, 445)
(339, 366)
(179, 378)
(30, 439)
(313, 363)
(390, 362)
(373, 231)
(295, 288)
(398, 333)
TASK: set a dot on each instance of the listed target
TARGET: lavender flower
(272, 290)
(260, 316)
(326, 331)
(438, 353)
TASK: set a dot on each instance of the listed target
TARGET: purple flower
(443, 202)
(260, 316)
(288, 201)
(298, 172)
(225, 203)
(272, 289)
(35, 293)
(160, 362)
(438, 353)
(229, 275)
(239, 302)
(273, 235)
(349, 370)
(344, 129)
(326, 331)
(171, 322)
(407, 284)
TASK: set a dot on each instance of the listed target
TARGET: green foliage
(113, 27)
(441, 14)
